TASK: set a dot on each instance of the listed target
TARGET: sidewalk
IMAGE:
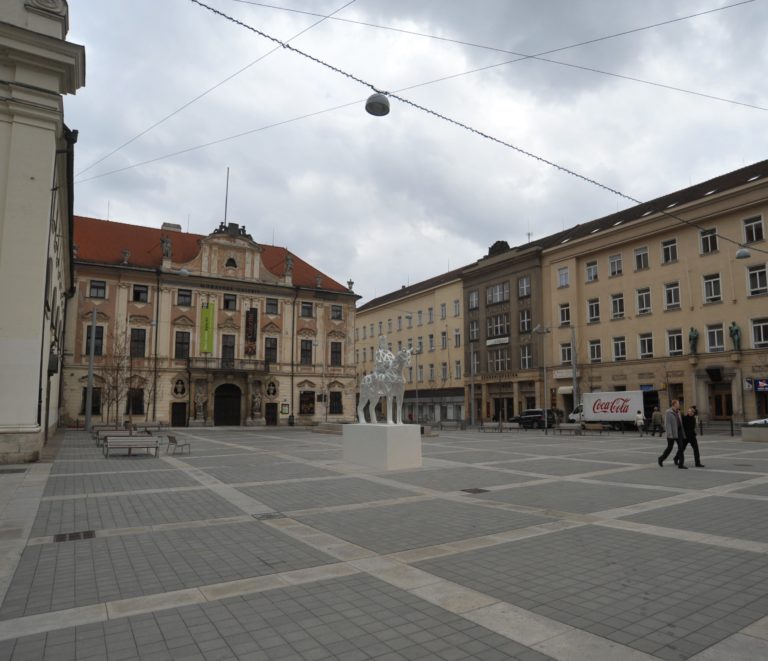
(264, 544)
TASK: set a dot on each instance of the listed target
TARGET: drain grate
(268, 515)
(475, 490)
(72, 536)
(8, 471)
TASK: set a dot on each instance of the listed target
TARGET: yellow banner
(207, 328)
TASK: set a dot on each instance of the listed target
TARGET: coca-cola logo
(616, 405)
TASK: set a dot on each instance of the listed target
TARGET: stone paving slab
(577, 497)
(665, 597)
(473, 456)
(65, 575)
(235, 474)
(551, 466)
(671, 476)
(732, 517)
(67, 485)
(456, 478)
(405, 526)
(128, 511)
(322, 493)
(113, 464)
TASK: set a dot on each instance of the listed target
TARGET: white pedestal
(390, 447)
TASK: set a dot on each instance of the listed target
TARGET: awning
(565, 390)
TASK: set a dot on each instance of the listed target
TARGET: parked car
(761, 421)
(531, 418)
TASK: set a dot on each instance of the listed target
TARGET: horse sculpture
(385, 381)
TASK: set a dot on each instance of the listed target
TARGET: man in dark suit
(673, 426)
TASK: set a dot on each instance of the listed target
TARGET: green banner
(207, 328)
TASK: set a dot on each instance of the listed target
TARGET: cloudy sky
(389, 201)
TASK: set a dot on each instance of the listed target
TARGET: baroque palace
(187, 329)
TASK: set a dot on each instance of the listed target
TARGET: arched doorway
(226, 405)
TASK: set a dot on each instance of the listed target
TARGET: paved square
(267, 471)
(552, 466)
(414, 525)
(66, 485)
(665, 597)
(456, 479)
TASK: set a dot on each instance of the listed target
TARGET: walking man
(657, 421)
(673, 426)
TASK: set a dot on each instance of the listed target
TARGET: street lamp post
(542, 331)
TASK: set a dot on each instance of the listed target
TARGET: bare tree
(114, 371)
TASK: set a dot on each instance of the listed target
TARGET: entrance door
(226, 405)
(270, 413)
(720, 401)
(179, 414)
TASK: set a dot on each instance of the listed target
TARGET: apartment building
(427, 316)
(200, 330)
(669, 295)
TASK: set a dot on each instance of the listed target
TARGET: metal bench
(174, 443)
(139, 441)
(568, 428)
(594, 427)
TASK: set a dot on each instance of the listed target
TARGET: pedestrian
(657, 421)
(689, 427)
(640, 422)
(673, 427)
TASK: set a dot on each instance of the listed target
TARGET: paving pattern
(266, 544)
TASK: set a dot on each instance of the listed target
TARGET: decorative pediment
(306, 385)
(183, 320)
(337, 335)
(270, 327)
(335, 385)
(100, 316)
(139, 320)
(307, 332)
(98, 381)
(229, 324)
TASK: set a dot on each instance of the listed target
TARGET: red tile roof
(103, 242)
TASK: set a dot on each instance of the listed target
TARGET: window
(365, 354)
(563, 279)
(526, 357)
(617, 306)
(307, 402)
(335, 405)
(646, 345)
(228, 342)
(757, 280)
(431, 371)
(669, 251)
(399, 323)
(615, 265)
(524, 286)
(231, 263)
(641, 258)
(181, 345)
(306, 352)
(184, 297)
(230, 302)
(431, 342)
(134, 404)
(591, 271)
(270, 350)
(420, 373)
(675, 342)
(593, 310)
(760, 333)
(565, 314)
(456, 308)
(430, 315)
(389, 325)
(336, 312)
(364, 332)
(565, 353)
(371, 329)
(595, 351)
(457, 370)
(498, 360)
(715, 339)
(753, 230)
(712, 292)
(708, 241)
(271, 307)
(474, 329)
(456, 337)
(444, 371)
(619, 348)
(444, 340)
(419, 318)
(409, 319)
(443, 310)
(419, 344)
(497, 293)
(95, 401)
(98, 341)
(473, 300)
(335, 354)
(308, 310)
(672, 296)
(525, 321)
(140, 293)
(498, 325)
(644, 301)
(97, 289)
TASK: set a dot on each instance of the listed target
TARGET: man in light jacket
(673, 426)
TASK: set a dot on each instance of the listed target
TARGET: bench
(103, 433)
(140, 442)
(594, 427)
(500, 426)
(568, 428)
(174, 443)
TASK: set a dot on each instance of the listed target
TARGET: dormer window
(231, 263)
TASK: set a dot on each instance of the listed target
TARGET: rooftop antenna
(107, 209)
(188, 215)
(226, 197)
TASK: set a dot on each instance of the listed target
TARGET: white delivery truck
(617, 409)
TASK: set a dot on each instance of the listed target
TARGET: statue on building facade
(387, 381)
(735, 333)
(693, 340)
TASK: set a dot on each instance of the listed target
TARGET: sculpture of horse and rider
(387, 381)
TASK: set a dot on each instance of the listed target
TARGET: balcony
(228, 364)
